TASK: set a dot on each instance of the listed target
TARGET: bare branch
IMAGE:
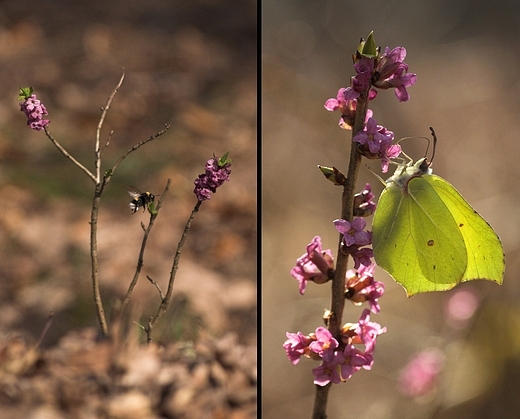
(165, 303)
(137, 146)
(94, 259)
(66, 154)
(140, 260)
(107, 142)
(148, 329)
(156, 286)
(100, 124)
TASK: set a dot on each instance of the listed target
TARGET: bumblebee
(139, 199)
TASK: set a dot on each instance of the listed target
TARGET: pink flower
(361, 287)
(363, 204)
(352, 360)
(327, 373)
(339, 102)
(376, 143)
(391, 71)
(391, 152)
(361, 256)
(296, 345)
(34, 110)
(353, 233)
(347, 106)
(325, 344)
(316, 265)
(368, 331)
(461, 307)
(375, 139)
(338, 364)
(420, 376)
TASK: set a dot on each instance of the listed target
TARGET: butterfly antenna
(434, 143)
(409, 138)
(377, 176)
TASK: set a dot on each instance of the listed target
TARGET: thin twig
(165, 302)
(140, 260)
(137, 146)
(66, 154)
(107, 143)
(140, 325)
(100, 125)
(156, 286)
(46, 328)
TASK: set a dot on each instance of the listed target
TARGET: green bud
(25, 92)
(333, 174)
(224, 160)
(368, 48)
(152, 208)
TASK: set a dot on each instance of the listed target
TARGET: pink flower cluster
(354, 238)
(339, 360)
(317, 265)
(34, 110)
(391, 72)
(341, 356)
(376, 143)
(214, 176)
(384, 71)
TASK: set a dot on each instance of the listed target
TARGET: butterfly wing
(416, 239)
(486, 258)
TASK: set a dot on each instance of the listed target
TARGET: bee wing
(133, 192)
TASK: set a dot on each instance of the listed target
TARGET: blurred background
(191, 65)
(465, 55)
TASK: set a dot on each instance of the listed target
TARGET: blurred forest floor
(192, 65)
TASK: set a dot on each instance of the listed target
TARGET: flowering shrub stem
(165, 303)
(338, 282)
(347, 201)
(345, 349)
(320, 401)
(140, 261)
(217, 171)
(94, 258)
(100, 181)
